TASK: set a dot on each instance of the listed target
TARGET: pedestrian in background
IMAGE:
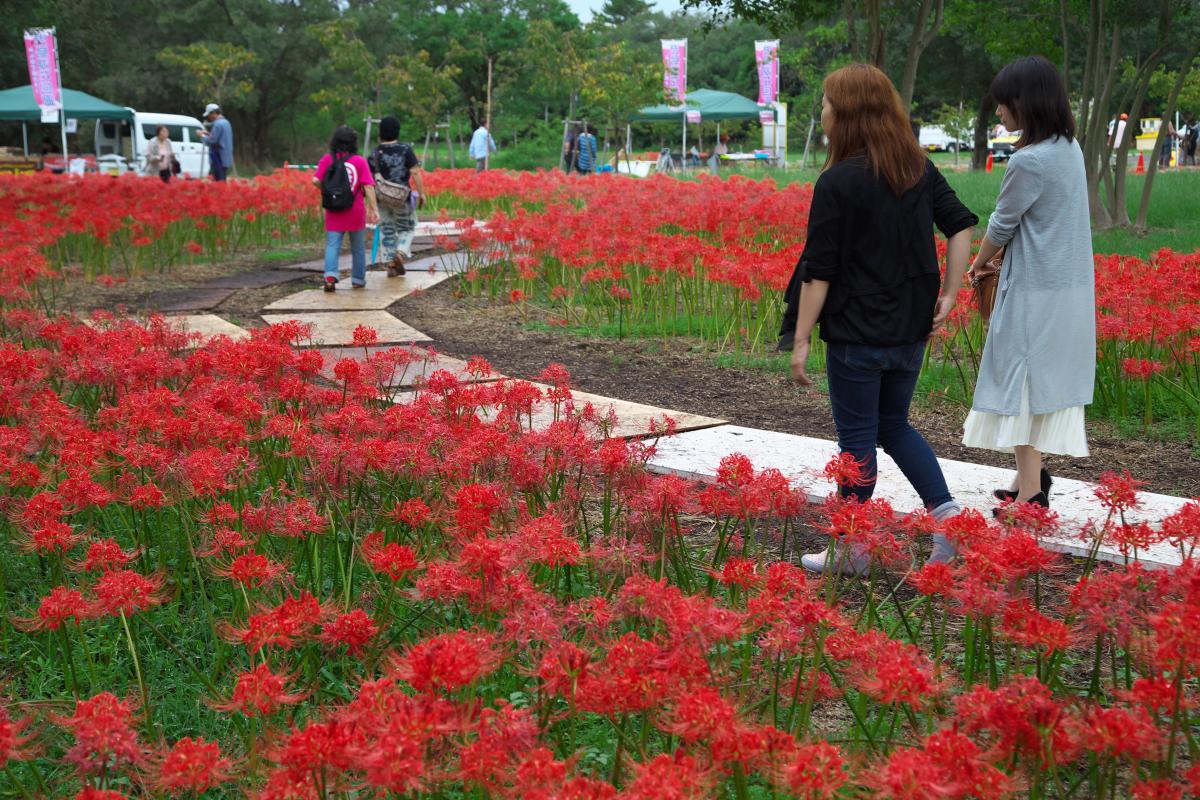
(1191, 136)
(354, 189)
(482, 145)
(1168, 145)
(220, 142)
(585, 157)
(571, 147)
(159, 154)
(396, 162)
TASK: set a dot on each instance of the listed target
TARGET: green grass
(1173, 220)
(286, 254)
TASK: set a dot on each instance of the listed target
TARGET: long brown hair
(869, 117)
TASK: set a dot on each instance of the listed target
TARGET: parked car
(935, 139)
(121, 145)
(1002, 146)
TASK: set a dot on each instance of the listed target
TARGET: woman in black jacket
(869, 274)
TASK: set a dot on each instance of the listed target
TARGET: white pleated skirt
(1060, 432)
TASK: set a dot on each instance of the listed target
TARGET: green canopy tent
(17, 105)
(713, 106)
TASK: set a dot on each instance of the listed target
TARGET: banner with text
(693, 117)
(766, 57)
(41, 52)
(674, 53)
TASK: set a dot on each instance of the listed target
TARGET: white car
(935, 139)
(122, 145)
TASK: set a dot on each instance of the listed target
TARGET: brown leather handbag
(984, 281)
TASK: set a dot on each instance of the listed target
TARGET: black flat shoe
(1008, 494)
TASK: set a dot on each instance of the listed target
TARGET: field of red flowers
(224, 577)
(710, 259)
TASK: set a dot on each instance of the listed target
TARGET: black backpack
(336, 194)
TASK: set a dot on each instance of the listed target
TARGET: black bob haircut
(344, 140)
(1036, 95)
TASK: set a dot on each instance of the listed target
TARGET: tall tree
(618, 12)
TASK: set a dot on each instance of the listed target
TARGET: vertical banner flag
(693, 117)
(41, 51)
(674, 53)
(766, 117)
(766, 57)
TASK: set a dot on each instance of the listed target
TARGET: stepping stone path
(337, 327)
(801, 459)
(197, 299)
(404, 375)
(695, 452)
(379, 293)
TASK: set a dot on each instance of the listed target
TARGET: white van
(121, 146)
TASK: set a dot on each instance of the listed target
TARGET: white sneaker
(943, 550)
(847, 561)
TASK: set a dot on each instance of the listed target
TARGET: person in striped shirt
(585, 153)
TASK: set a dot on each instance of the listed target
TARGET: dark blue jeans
(870, 390)
(216, 168)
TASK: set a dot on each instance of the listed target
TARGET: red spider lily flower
(500, 734)
(323, 749)
(364, 336)
(60, 605)
(412, 512)
(13, 739)
(447, 661)
(813, 771)
(354, 629)
(53, 537)
(742, 572)
(146, 496)
(1182, 529)
(103, 555)
(1021, 717)
(948, 766)
(845, 470)
(474, 505)
(563, 666)
(127, 592)
(887, 670)
(252, 570)
(1125, 733)
(1157, 789)
(1119, 492)
(933, 579)
(1141, 369)
(670, 777)
(283, 626)
(543, 540)
(260, 692)
(1129, 539)
(191, 766)
(391, 559)
(1177, 636)
(92, 793)
(1028, 627)
(516, 296)
(105, 738)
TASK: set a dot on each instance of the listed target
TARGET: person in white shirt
(482, 144)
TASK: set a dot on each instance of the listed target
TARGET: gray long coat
(1043, 326)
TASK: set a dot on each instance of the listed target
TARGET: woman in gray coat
(1039, 362)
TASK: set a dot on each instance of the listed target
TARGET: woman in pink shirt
(343, 150)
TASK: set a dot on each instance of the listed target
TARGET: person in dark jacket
(869, 274)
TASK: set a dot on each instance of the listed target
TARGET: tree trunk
(980, 152)
(876, 36)
(922, 36)
(1172, 103)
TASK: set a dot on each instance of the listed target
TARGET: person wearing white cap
(220, 142)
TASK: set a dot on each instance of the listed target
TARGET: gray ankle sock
(946, 510)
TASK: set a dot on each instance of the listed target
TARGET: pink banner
(766, 117)
(41, 52)
(766, 57)
(693, 117)
(674, 53)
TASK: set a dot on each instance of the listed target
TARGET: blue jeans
(216, 168)
(358, 255)
(870, 389)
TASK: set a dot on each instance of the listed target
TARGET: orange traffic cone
(988, 167)
(1141, 167)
